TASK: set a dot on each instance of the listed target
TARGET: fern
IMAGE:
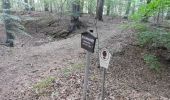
(150, 9)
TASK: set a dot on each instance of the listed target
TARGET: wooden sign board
(88, 42)
(105, 58)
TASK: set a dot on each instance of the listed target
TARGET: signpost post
(88, 43)
(103, 82)
(104, 62)
(86, 76)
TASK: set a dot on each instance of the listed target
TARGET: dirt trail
(22, 67)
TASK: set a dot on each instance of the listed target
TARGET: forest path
(22, 67)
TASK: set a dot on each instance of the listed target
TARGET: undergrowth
(154, 39)
(152, 62)
(69, 70)
(136, 26)
(43, 85)
(150, 38)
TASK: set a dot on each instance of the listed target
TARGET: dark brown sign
(88, 41)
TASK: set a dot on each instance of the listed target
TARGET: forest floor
(40, 68)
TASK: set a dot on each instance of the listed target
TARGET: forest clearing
(41, 56)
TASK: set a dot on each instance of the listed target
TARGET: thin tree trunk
(120, 8)
(90, 7)
(134, 7)
(158, 17)
(168, 14)
(6, 10)
(108, 8)
(99, 10)
(32, 4)
(51, 6)
(46, 6)
(75, 23)
(26, 6)
(128, 9)
(148, 1)
(82, 6)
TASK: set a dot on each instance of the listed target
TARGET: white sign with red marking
(104, 58)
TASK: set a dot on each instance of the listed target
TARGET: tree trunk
(99, 10)
(108, 8)
(90, 5)
(146, 17)
(6, 10)
(32, 5)
(82, 6)
(168, 14)
(51, 6)
(134, 7)
(148, 1)
(26, 6)
(46, 6)
(128, 9)
(75, 23)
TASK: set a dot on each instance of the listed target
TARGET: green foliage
(44, 84)
(147, 10)
(14, 24)
(44, 87)
(66, 72)
(146, 38)
(152, 61)
(23, 4)
(71, 69)
(138, 27)
(154, 39)
(114, 15)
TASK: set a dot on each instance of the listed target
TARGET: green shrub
(138, 27)
(163, 40)
(44, 84)
(66, 72)
(154, 39)
(152, 61)
(146, 38)
(114, 15)
(74, 67)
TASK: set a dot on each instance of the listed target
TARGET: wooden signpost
(88, 43)
(104, 62)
